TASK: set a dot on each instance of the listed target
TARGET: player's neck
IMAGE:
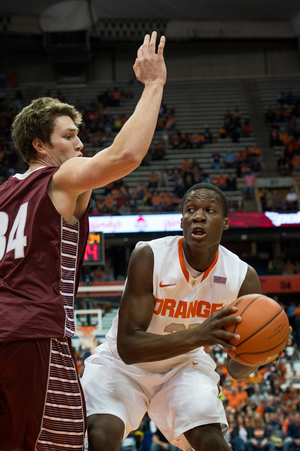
(199, 261)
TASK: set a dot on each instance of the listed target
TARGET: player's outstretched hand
(150, 66)
(211, 330)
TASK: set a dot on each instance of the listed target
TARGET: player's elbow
(132, 156)
(125, 352)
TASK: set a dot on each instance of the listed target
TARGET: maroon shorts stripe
(64, 405)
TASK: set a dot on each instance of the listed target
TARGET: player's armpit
(237, 370)
(251, 283)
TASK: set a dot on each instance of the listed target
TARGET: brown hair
(37, 121)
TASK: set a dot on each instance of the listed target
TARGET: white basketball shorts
(178, 400)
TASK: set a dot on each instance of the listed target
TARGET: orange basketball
(264, 330)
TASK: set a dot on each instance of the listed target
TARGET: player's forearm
(141, 347)
(136, 135)
(239, 371)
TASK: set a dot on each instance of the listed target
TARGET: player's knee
(105, 433)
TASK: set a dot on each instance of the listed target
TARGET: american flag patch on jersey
(219, 279)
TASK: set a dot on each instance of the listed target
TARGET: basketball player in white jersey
(174, 284)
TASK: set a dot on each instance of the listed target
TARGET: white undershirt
(193, 272)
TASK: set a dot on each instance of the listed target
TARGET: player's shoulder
(226, 253)
(160, 243)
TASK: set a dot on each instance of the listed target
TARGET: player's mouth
(198, 233)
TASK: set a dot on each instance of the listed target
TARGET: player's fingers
(152, 42)
(161, 46)
(225, 311)
(145, 47)
(140, 52)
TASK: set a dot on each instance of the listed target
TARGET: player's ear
(38, 145)
(226, 224)
(181, 223)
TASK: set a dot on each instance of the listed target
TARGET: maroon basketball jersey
(41, 258)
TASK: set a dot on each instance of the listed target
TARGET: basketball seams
(265, 325)
(241, 314)
(266, 350)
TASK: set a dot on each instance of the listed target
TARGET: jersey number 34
(16, 240)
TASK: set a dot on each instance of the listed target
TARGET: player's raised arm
(135, 344)
(133, 141)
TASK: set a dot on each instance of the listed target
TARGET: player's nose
(199, 215)
(78, 144)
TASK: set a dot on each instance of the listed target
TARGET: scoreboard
(94, 251)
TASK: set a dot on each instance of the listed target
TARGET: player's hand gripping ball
(264, 330)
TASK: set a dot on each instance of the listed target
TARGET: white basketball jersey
(182, 301)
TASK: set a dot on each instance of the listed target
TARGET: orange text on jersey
(183, 309)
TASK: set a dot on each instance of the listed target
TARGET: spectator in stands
(174, 204)
(199, 141)
(116, 97)
(152, 180)
(159, 150)
(222, 132)
(208, 136)
(270, 116)
(274, 137)
(175, 140)
(216, 160)
(289, 267)
(291, 200)
(274, 431)
(246, 131)
(221, 182)
(292, 442)
(231, 182)
(160, 443)
(235, 398)
(179, 189)
(241, 434)
(259, 440)
(257, 396)
(186, 166)
(281, 100)
(229, 159)
(277, 201)
(163, 178)
(156, 202)
(249, 185)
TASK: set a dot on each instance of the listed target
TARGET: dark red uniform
(41, 258)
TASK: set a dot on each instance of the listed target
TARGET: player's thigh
(189, 399)
(24, 368)
(109, 391)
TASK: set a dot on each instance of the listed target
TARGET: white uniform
(182, 392)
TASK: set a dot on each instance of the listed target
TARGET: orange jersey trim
(181, 259)
(183, 267)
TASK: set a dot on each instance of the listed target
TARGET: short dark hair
(211, 187)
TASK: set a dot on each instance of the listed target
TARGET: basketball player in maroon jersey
(43, 234)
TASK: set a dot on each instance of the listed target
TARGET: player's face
(203, 219)
(65, 143)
